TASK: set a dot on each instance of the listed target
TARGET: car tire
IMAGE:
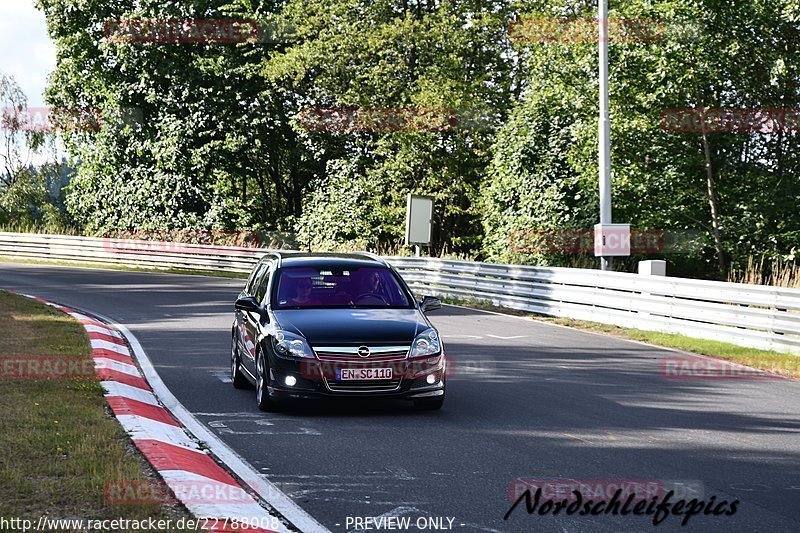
(237, 378)
(429, 405)
(264, 402)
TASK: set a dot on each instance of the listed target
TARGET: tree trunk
(711, 195)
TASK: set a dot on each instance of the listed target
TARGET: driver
(372, 284)
(370, 290)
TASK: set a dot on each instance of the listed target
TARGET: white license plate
(346, 374)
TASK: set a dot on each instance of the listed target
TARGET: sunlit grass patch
(60, 445)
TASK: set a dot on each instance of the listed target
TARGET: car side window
(251, 282)
(262, 280)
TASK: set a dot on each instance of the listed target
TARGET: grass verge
(767, 360)
(61, 446)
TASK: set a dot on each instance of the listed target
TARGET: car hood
(353, 326)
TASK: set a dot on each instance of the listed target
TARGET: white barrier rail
(129, 252)
(748, 315)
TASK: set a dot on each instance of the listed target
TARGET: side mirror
(430, 303)
(248, 303)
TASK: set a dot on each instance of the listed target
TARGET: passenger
(303, 294)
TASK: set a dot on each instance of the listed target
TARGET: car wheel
(429, 405)
(262, 395)
(237, 378)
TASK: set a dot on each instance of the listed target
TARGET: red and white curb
(175, 453)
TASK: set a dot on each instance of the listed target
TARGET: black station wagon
(334, 325)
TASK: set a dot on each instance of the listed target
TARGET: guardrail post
(653, 267)
(773, 334)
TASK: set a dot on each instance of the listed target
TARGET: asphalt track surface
(528, 400)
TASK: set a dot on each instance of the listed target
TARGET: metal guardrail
(129, 252)
(749, 315)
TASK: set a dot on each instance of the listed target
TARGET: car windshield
(321, 287)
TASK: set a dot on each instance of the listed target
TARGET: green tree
(736, 188)
(191, 137)
(445, 58)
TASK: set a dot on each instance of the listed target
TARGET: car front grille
(372, 385)
(350, 353)
(347, 356)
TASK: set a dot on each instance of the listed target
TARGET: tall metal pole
(604, 148)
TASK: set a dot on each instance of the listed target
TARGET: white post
(604, 148)
(653, 267)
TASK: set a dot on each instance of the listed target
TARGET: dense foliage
(709, 54)
(216, 135)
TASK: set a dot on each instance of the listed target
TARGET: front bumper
(316, 379)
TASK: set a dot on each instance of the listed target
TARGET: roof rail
(375, 257)
(275, 254)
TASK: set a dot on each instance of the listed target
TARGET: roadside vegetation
(490, 106)
(60, 444)
(775, 272)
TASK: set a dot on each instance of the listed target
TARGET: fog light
(431, 379)
(290, 381)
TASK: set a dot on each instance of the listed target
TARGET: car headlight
(288, 344)
(426, 343)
